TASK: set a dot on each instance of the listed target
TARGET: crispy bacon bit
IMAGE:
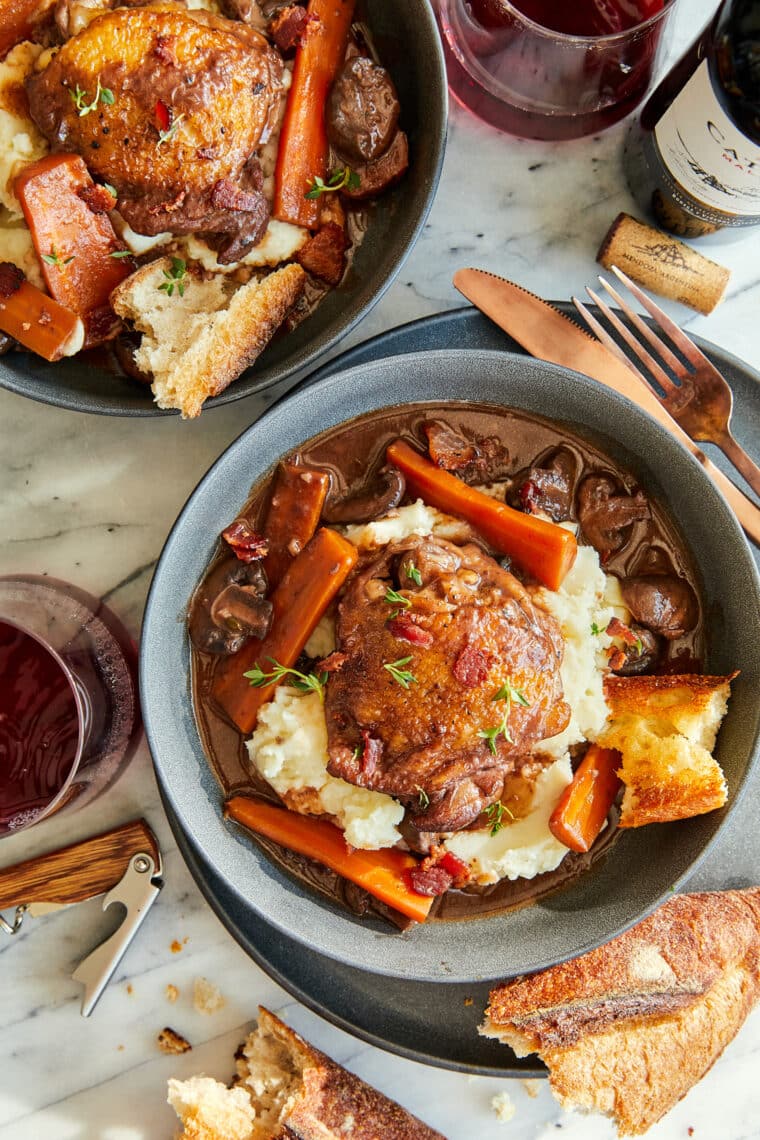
(287, 27)
(371, 753)
(431, 881)
(616, 628)
(168, 207)
(97, 199)
(11, 279)
(227, 196)
(163, 49)
(247, 545)
(455, 867)
(163, 116)
(471, 667)
(405, 627)
(332, 663)
(324, 254)
(475, 462)
(616, 658)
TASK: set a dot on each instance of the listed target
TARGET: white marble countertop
(91, 500)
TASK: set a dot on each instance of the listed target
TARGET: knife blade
(549, 335)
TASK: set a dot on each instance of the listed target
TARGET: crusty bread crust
(665, 729)
(627, 1029)
(334, 1104)
(212, 347)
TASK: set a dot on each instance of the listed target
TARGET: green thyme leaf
(424, 798)
(395, 599)
(102, 95)
(304, 682)
(338, 179)
(54, 258)
(111, 189)
(170, 132)
(495, 815)
(638, 645)
(175, 278)
(490, 735)
(506, 692)
(595, 630)
(402, 676)
(413, 573)
(121, 253)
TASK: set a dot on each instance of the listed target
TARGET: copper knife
(548, 334)
(124, 863)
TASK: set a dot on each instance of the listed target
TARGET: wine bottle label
(706, 153)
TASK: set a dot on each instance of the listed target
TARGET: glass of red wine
(69, 713)
(551, 69)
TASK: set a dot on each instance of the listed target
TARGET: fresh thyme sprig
(507, 692)
(402, 676)
(424, 798)
(495, 815)
(342, 177)
(54, 258)
(394, 598)
(175, 278)
(413, 573)
(102, 95)
(168, 134)
(304, 682)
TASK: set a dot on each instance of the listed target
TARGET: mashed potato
(289, 749)
(20, 141)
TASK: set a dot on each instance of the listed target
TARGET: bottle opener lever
(124, 863)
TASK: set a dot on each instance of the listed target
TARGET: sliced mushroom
(232, 629)
(642, 657)
(663, 603)
(367, 503)
(606, 513)
(548, 486)
(242, 608)
(473, 460)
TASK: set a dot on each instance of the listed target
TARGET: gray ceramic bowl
(643, 865)
(408, 43)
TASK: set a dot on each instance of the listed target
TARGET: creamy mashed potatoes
(289, 749)
(20, 141)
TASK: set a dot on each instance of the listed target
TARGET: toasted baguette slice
(665, 729)
(627, 1029)
(286, 1089)
(195, 343)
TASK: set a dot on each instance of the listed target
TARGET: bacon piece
(324, 254)
(371, 753)
(11, 279)
(288, 26)
(227, 196)
(431, 881)
(97, 199)
(163, 49)
(471, 667)
(405, 627)
(475, 462)
(616, 628)
(332, 663)
(248, 546)
(163, 116)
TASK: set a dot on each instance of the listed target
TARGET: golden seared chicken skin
(168, 106)
(446, 674)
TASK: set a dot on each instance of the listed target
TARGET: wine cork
(663, 264)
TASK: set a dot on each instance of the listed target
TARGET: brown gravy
(352, 450)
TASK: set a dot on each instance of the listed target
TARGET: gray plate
(408, 43)
(642, 868)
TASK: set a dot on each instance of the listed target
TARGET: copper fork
(697, 396)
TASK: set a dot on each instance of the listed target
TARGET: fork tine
(679, 338)
(608, 341)
(658, 345)
(646, 358)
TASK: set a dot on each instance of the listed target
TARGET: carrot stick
(17, 23)
(292, 516)
(585, 803)
(38, 322)
(543, 549)
(303, 147)
(303, 595)
(74, 243)
(382, 873)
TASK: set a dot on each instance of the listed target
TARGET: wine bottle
(693, 157)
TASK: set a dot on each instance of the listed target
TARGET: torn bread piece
(627, 1029)
(285, 1088)
(665, 729)
(200, 332)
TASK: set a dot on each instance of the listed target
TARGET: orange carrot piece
(292, 516)
(303, 147)
(382, 873)
(310, 584)
(40, 323)
(543, 549)
(74, 244)
(16, 23)
(585, 803)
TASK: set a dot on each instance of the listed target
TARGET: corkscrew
(123, 864)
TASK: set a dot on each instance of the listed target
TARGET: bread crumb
(503, 1106)
(531, 1086)
(119, 1048)
(176, 946)
(468, 1001)
(690, 1131)
(206, 997)
(130, 989)
(172, 993)
(169, 1041)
